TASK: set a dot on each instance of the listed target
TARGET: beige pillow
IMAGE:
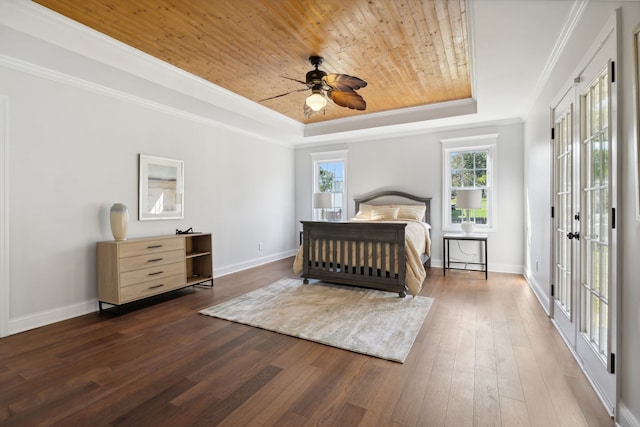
(364, 211)
(384, 214)
(415, 212)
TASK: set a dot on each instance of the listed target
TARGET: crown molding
(52, 28)
(393, 117)
(42, 72)
(570, 24)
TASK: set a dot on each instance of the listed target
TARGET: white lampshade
(469, 199)
(322, 201)
(316, 101)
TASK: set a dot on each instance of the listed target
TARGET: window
(329, 176)
(469, 163)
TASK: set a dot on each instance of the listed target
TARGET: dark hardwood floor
(486, 355)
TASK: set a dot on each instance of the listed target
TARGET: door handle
(575, 235)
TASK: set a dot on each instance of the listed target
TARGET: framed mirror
(161, 192)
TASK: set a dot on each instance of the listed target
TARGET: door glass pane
(595, 161)
(595, 213)
(594, 268)
(604, 270)
(595, 321)
(585, 326)
(595, 109)
(604, 316)
(604, 101)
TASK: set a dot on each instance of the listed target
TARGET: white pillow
(364, 211)
(384, 214)
(415, 212)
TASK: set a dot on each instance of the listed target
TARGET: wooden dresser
(130, 270)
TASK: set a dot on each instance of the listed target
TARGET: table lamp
(322, 201)
(468, 198)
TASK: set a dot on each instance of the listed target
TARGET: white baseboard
(607, 405)
(540, 293)
(495, 268)
(625, 417)
(43, 318)
(47, 317)
(36, 320)
(506, 268)
(234, 268)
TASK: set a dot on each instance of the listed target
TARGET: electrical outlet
(260, 246)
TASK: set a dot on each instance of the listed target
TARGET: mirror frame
(149, 178)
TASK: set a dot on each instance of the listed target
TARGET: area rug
(365, 321)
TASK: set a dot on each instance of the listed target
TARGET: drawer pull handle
(154, 246)
(156, 273)
(156, 286)
(155, 260)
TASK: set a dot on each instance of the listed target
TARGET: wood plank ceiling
(410, 52)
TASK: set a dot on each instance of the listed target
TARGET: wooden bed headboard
(395, 196)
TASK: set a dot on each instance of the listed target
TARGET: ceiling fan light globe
(316, 102)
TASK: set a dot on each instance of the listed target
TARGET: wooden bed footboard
(368, 254)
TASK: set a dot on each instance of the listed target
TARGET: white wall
(414, 164)
(73, 152)
(537, 184)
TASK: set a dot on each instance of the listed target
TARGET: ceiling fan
(340, 88)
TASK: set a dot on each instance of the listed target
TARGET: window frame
(487, 142)
(328, 157)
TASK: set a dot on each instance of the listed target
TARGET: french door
(584, 233)
(595, 343)
(565, 221)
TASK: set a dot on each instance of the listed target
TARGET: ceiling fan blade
(283, 94)
(343, 82)
(349, 99)
(295, 80)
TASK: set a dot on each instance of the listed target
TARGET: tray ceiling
(411, 52)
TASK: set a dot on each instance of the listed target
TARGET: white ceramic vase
(119, 217)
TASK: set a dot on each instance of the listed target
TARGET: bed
(386, 246)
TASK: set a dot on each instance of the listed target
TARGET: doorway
(584, 288)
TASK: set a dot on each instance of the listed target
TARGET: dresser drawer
(152, 287)
(150, 260)
(151, 247)
(152, 273)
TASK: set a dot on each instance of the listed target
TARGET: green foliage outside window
(468, 170)
(326, 180)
